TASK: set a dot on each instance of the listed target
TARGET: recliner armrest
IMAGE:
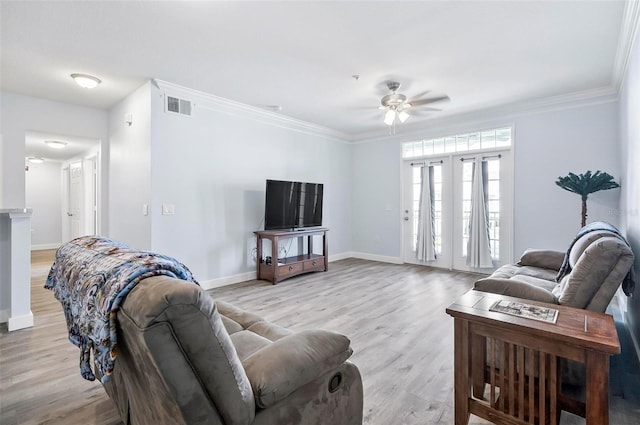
(515, 288)
(278, 369)
(545, 258)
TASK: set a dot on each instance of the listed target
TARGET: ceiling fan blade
(419, 95)
(419, 112)
(418, 102)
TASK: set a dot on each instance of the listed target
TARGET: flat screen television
(292, 205)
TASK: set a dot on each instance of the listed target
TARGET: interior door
(74, 211)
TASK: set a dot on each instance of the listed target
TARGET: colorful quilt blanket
(91, 276)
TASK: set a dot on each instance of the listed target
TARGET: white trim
(341, 256)
(374, 257)
(622, 303)
(628, 29)
(228, 280)
(44, 246)
(20, 322)
(219, 104)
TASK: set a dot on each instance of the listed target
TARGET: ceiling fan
(398, 107)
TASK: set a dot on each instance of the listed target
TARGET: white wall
(552, 144)
(546, 145)
(629, 113)
(19, 114)
(130, 169)
(212, 167)
(44, 195)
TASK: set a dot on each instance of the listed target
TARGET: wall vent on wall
(178, 106)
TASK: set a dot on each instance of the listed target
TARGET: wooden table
(501, 350)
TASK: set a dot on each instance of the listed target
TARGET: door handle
(69, 214)
(406, 219)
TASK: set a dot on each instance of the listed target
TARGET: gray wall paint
(547, 145)
(213, 166)
(20, 114)
(130, 169)
(629, 114)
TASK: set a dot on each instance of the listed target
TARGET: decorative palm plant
(585, 184)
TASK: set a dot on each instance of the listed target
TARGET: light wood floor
(394, 315)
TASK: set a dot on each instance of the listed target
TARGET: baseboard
(228, 280)
(20, 322)
(622, 302)
(44, 246)
(341, 256)
(373, 257)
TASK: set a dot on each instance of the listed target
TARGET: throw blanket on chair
(90, 277)
(628, 284)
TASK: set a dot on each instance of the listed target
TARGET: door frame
(506, 251)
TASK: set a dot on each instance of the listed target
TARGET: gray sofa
(598, 261)
(185, 359)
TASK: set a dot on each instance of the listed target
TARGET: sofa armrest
(515, 288)
(545, 258)
(278, 369)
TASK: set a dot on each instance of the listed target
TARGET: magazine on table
(528, 311)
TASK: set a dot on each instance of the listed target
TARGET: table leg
(478, 362)
(597, 406)
(461, 371)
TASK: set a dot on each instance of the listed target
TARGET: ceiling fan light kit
(396, 104)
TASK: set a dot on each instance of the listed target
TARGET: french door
(451, 183)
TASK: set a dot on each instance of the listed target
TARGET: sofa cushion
(279, 368)
(516, 287)
(599, 265)
(544, 258)
(180, 324)
(509, 270)
(583, 243)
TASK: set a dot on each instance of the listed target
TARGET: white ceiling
(35, 146)
(302, 55)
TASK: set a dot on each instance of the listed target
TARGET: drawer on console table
(316, 264)
(287, 270)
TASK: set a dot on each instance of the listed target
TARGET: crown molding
(215, 103)
(628, 30)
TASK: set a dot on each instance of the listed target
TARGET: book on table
(527, 311)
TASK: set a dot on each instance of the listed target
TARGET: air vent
(178, 106)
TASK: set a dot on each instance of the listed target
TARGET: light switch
(145, 209)
(168, 209)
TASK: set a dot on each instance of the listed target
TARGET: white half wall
(547, 145)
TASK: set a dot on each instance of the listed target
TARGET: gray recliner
(598, 261)
(185, 359)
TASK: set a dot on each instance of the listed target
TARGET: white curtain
(426, 247)
(478, 248)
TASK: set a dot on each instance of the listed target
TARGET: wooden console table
(502, 350)
(278, 269)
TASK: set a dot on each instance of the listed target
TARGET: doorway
(62, 186)
(450, 180)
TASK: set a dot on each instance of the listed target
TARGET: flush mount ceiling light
(85, 80)
(35, 160)
(55, 144)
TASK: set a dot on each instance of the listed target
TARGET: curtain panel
(426, 243)
(478, 246)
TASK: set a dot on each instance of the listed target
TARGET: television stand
(279, 269)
